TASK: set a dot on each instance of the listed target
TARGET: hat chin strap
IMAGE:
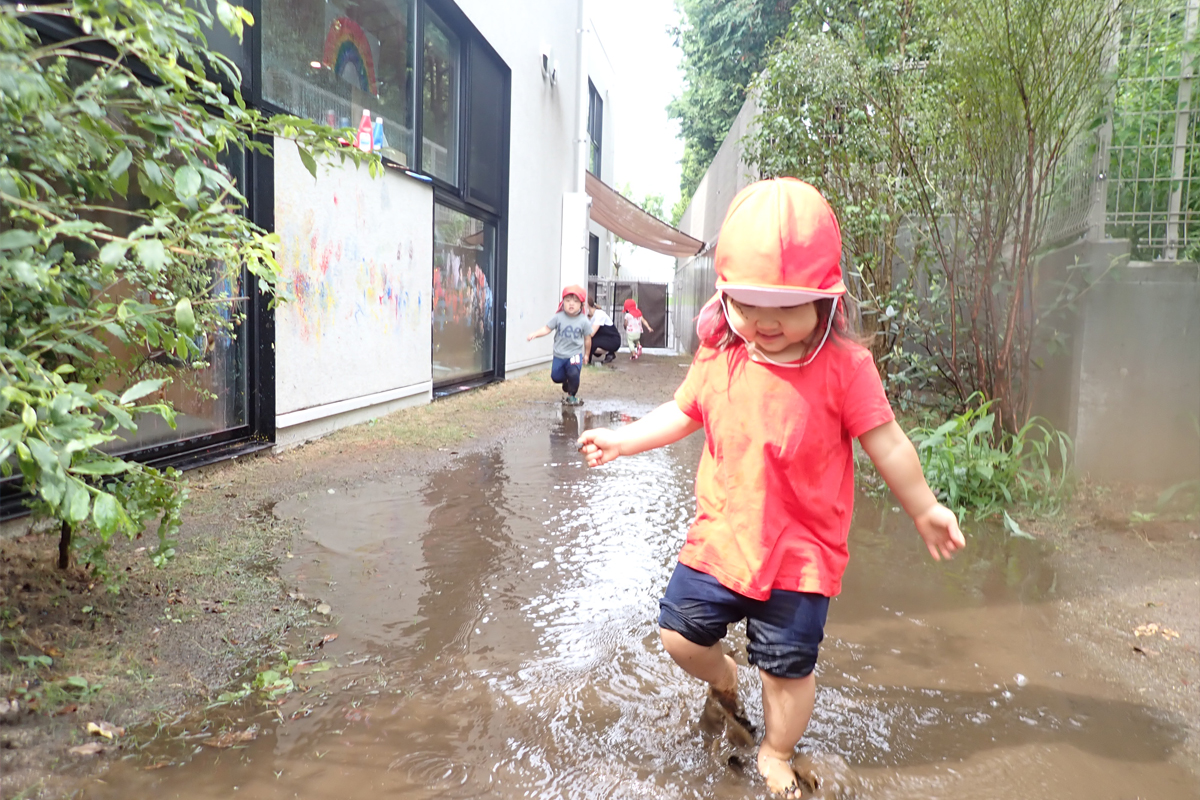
(758, 354)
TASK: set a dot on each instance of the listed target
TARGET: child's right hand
(599, 446)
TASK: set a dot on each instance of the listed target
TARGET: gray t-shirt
(569, 333)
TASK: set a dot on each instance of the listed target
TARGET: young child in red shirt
(781, 389)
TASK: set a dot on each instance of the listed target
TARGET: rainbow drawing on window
(348, 54)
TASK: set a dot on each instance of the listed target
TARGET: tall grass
(977, 469)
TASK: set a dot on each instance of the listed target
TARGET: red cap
(780, 245)
(576, 290)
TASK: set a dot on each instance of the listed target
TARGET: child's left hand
(939, 528)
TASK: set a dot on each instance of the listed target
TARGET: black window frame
(473, 46)
(593, 255)
(595, 128)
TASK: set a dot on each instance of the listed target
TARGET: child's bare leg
(787, 707)
(709, 664)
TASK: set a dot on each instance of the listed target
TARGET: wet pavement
(497, 637)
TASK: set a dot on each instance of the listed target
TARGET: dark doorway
(652, 300)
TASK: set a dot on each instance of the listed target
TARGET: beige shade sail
(631, 223)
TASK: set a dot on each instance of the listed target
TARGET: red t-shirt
(775, 488)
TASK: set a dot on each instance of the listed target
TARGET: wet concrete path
(497, 637)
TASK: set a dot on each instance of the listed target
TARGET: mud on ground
(174, 638)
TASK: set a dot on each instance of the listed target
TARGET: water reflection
(498, 637)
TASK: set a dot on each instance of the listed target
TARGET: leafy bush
(974, 468)
(121, 231)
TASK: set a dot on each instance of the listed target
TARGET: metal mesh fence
(1152, 198)
(1140, 174)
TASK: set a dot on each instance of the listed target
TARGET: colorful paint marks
(359, 270)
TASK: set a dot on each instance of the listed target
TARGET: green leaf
(46, 458)
(29, 418)
(1014, 529)
(107, 513)
(187, 183)
(102, 467)
(120, 164)
(112, 253)
(16, 239)
(151, 253)
(140, 390)
(185, 318)
(307, 159)
(77, 503)
(153, 172)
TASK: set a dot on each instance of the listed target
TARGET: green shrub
(122, 230)
(976, 469)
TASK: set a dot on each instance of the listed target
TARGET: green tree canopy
(724, 43)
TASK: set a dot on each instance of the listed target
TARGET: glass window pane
(439, 109)
(487, 140)
(330, 62)
(463, 303)
(209, 393)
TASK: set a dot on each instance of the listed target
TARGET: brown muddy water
(497, 637)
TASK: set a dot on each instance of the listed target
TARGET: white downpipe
(581, 100)
(576, 203)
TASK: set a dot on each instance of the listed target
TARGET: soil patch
(173, 638)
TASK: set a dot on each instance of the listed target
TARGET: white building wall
(542, 157)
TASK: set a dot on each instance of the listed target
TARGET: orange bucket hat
(780, 245)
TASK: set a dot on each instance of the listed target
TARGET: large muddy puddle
(497, 637)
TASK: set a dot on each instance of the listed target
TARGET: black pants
(606, 339)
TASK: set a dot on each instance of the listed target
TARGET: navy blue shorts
(785, 630)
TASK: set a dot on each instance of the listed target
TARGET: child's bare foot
(723, 701)
(782, 779)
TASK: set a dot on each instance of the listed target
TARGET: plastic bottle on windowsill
(365, 132)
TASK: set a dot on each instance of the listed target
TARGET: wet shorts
(785, 630)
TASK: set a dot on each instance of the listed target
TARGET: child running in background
(572, 338)
(634, 323)
(781, 389)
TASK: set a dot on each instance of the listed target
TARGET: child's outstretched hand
(599, 446)
(939, 528)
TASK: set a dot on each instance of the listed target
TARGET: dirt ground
(174, 638)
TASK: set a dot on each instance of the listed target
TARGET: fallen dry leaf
(70, 708)
(105, 729)
(89, 749)
(328, 638)
(157, 765)
(1169, 634)
(230, 738)
(1149, 629)
(1146, 651)
(324, 609)
(52, 651)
